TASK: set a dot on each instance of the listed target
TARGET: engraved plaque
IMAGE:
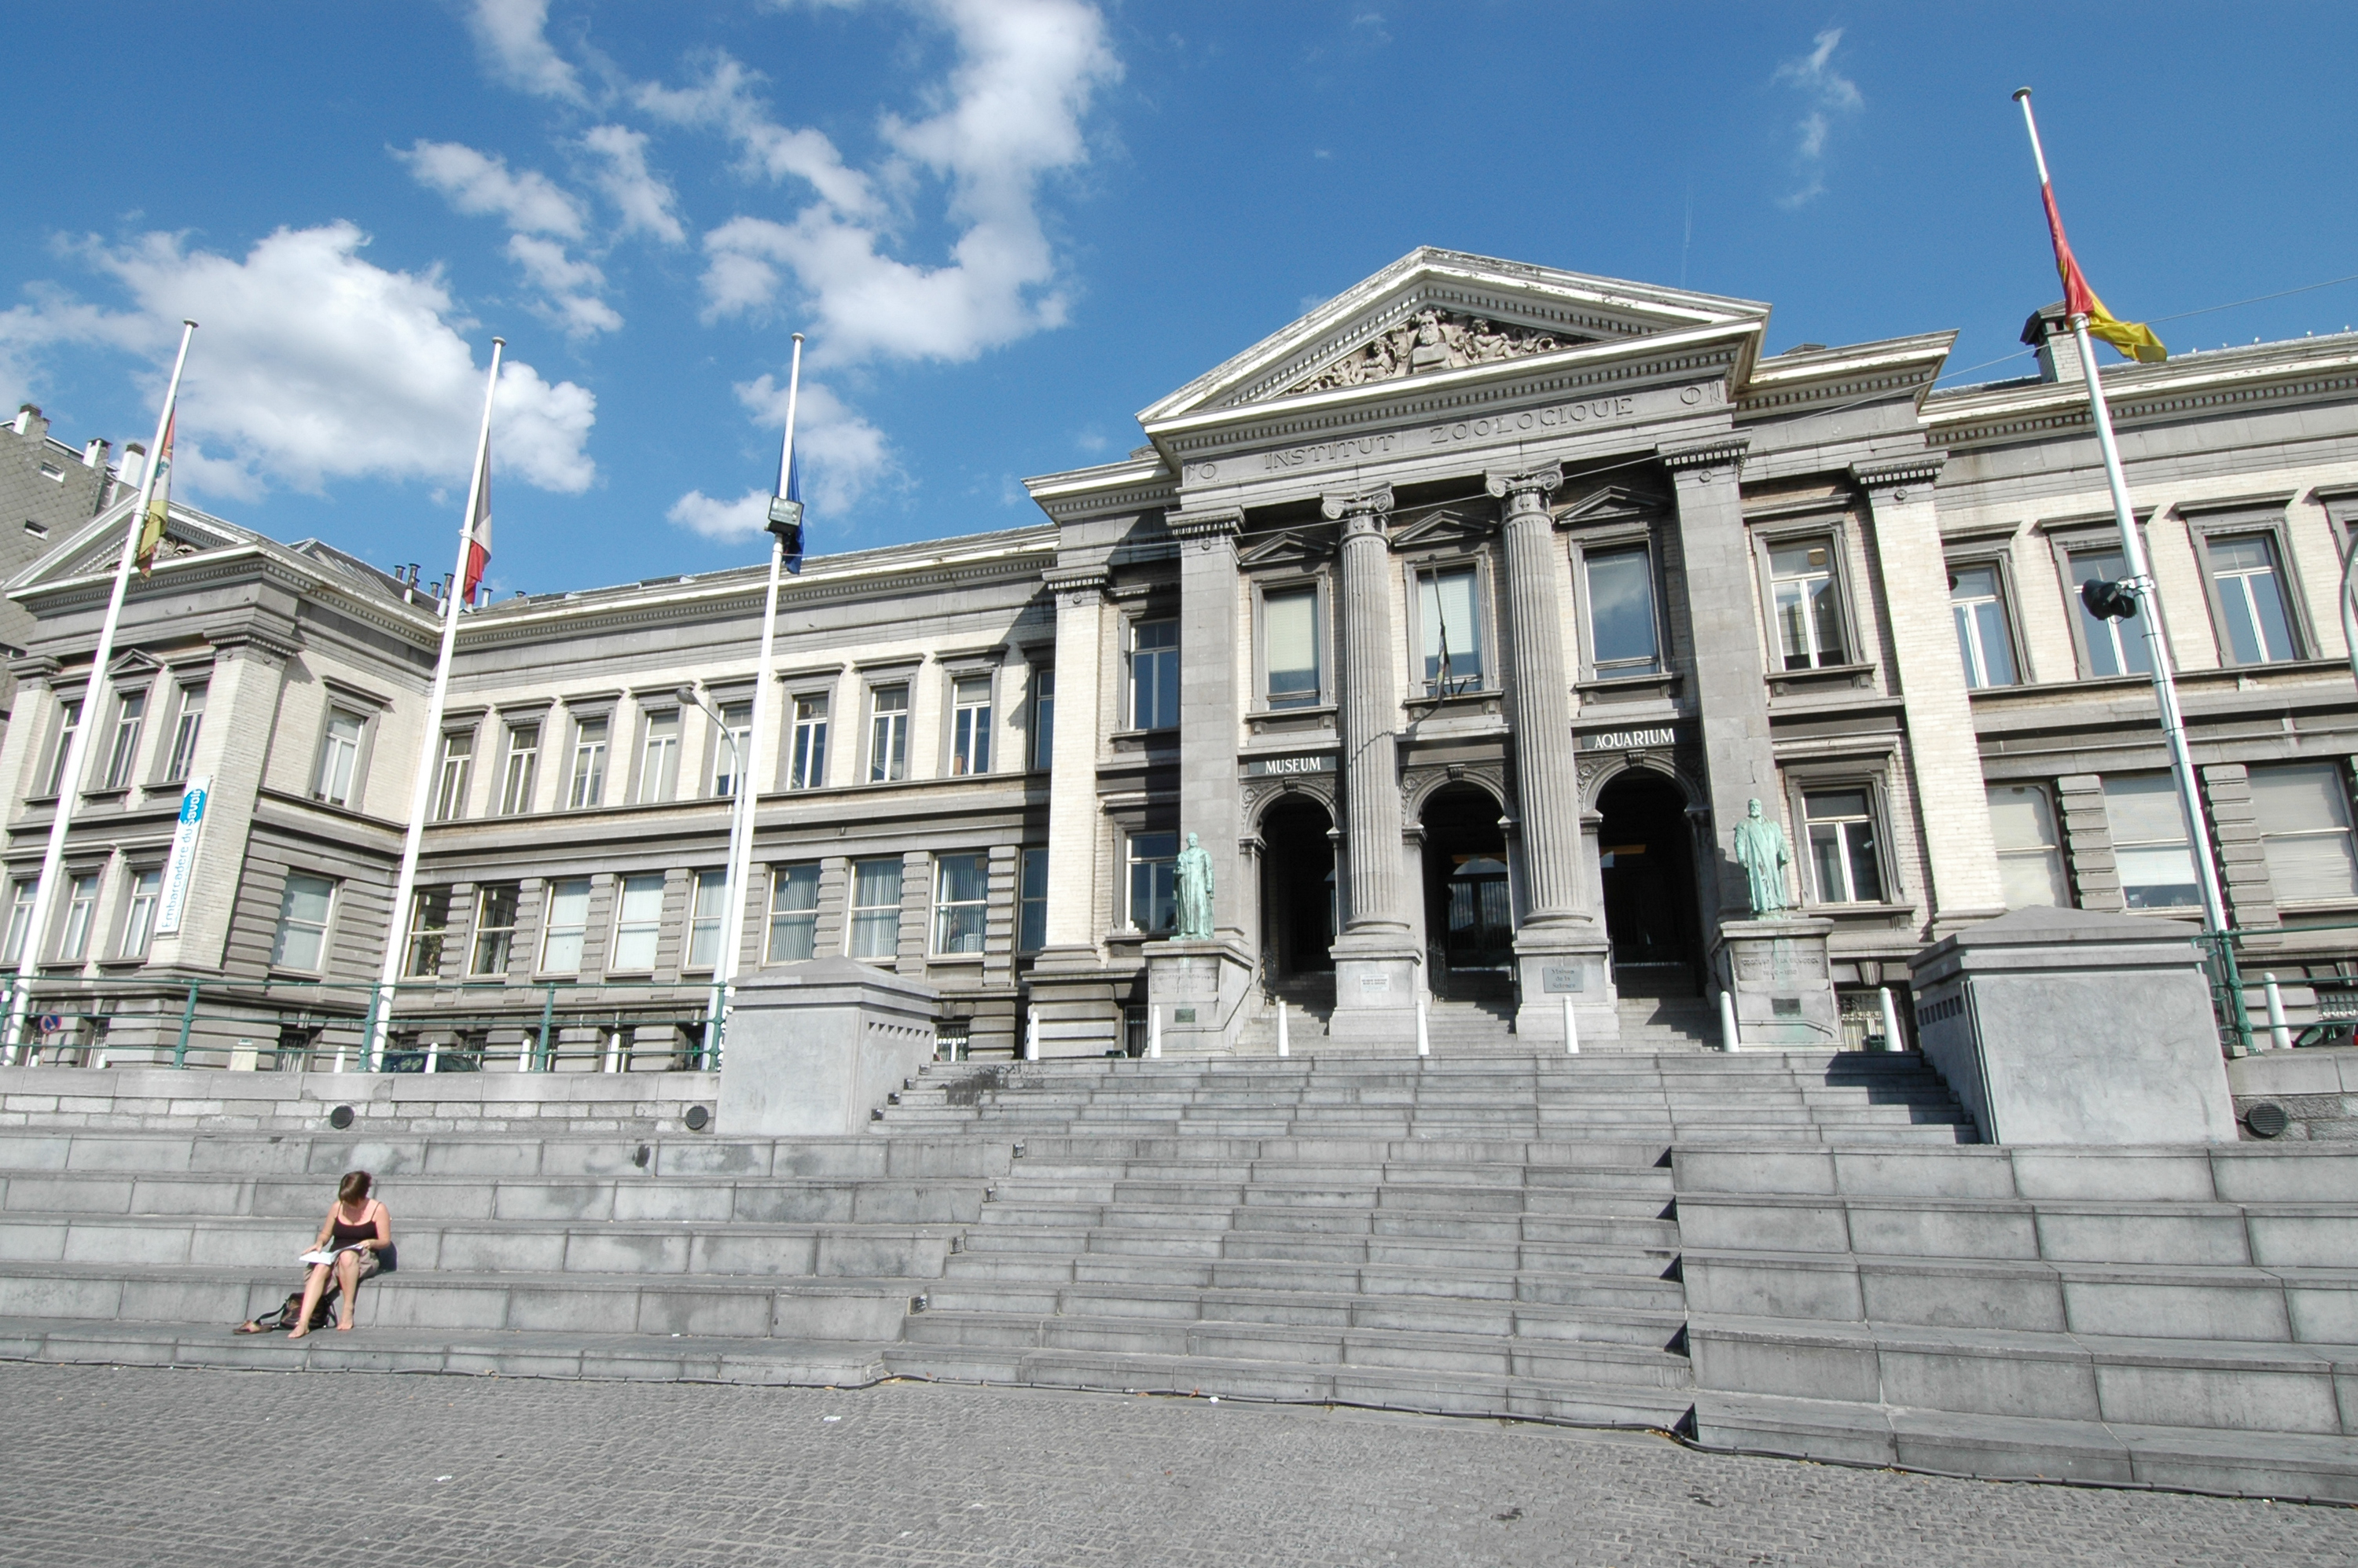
(1564, 978)
(1183, 1015)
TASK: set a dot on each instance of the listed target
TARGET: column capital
(31, 668)
(1516, 487)
(1375, 501)
(1212, 522)
(230, 638)
(1899, 475)
(1701, 462)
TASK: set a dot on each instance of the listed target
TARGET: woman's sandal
(249, 1326)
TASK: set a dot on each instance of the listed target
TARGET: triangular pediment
(134, 663)
(1438, 313)
(1290, 547)
(1611, 503)
(1446, 525)
(97, 546)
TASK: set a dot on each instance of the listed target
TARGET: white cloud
(1829, 93)
(723, 520)
(313, 364)
(572, 287)
(842, 457)
(1011, 114)
(480, 185)
(645, 202)
(513, 38)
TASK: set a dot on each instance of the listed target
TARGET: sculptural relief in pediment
(1427, 342)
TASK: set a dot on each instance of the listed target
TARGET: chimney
(29, 421)
(93, 456)
(135, 464)
(2049, 332)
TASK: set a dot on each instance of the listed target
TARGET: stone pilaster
(1560, 948)
(1952, 801)
(1375, 960)
(1078, 1014)
(1210, 698)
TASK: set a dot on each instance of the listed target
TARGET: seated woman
(360, 1232)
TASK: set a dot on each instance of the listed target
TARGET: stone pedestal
(1078, 1003)
(1552, 966)
(813, 1049)
(1776, 970)
(1376, 984)
(2061, 1026)
(1200, 989)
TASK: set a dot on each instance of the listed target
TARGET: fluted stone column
(1078, 1014)
(1560, 948)
(1376, 961)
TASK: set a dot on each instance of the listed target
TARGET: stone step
(1438, 1393)
(2226, 1173)
(1327, 1220)
(1176, 1276)
(1601, 1180)
(1284, 1189)
(2137, 1381)
(1417, 1251)
(845, 1307)
(735, 1247)
(2292, 1466)
(1490, 1355)
(2185, 1233)
(1434, 1153)
(510, 1353)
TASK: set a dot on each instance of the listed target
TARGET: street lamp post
(741, 828)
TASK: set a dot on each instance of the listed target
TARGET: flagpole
(734, 886)
(93, 707)
(2141, 585)
(421, 789)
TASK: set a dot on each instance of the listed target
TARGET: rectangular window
(20, 919)
(339, 750)
(302, 941)
(568, 922)
(524, 763)
(733, 749)
(2150, 843)
(458, 768)
(589, 785)
(1621, 611)
(887, 735)
(186, 727)
(970, 726)
(1288, 626)
(1449, 618)
(806, 765)
(1153, 902)
(81, 910)
(705, 919)
(638, 922)
(659, 759)
(2029, 850)
(2114, 647)
(429, 926)
(1044, 718)
(1806, 603)
(2303, 811)
(1031, 903)
(2249, 581)
(130, 715)
(69, 720)
(495, 923)
(1841, 846)
(876, 908)
(793, 913)
(139, 922)
(1984, 639)
(961, 895)
(1154, 675)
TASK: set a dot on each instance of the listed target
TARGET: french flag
(479, 537)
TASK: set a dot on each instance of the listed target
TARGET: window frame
(2061, 849)
(517, 795)
(698, 921)
(327, 924)
(177, 762)
(2001, 562)
(449, 794)
(22, 891)
(971, 750)
(1877, 818)
(1132, 862)
(327, 750)
(1767, 540)
(1486, 621)
(422, 900)
(2188, 843)
(1040, 722)
(550, 930)
(806, 738)
(2205, 528)
(974, 913)
(78, 915)
(61, 735)
(1131, 627)
(862, 917)
(2345, 798)
(486, 930)
(783, 875)
(2091, 539)
(883, 720)
(133, 943)
(1027, 900)
(1614, 542)
(585, 790)
(1322, 620)
(645, 927)
(655, 780)
(124, 738)
(730, 762)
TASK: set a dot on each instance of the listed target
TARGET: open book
(328, 1254)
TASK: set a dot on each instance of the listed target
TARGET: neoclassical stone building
(1460, 623)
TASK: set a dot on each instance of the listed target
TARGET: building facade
(1458, 624)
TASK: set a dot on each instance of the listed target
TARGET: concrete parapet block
(2060, 1026)
(813, 1048)
(1778, 972)
(1203, 991)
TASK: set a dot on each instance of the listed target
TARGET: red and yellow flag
(2134, 339)
(151, 532)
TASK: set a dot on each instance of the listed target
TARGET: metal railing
(2236, 962)
(430, 1025)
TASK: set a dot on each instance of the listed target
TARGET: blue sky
(1007, 225)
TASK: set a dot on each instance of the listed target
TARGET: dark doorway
(1297, 888)
(1469, 915)
(1645, 853)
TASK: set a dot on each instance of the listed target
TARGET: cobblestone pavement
(144, 1466)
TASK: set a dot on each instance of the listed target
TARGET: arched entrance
(1646, 853)
(1297, 888)
(1469, 915)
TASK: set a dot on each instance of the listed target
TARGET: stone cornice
(1791, 382)
(1212, 522)
(1077, 580)
(1898, 473)
(2213, 384)
(1704, 456)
